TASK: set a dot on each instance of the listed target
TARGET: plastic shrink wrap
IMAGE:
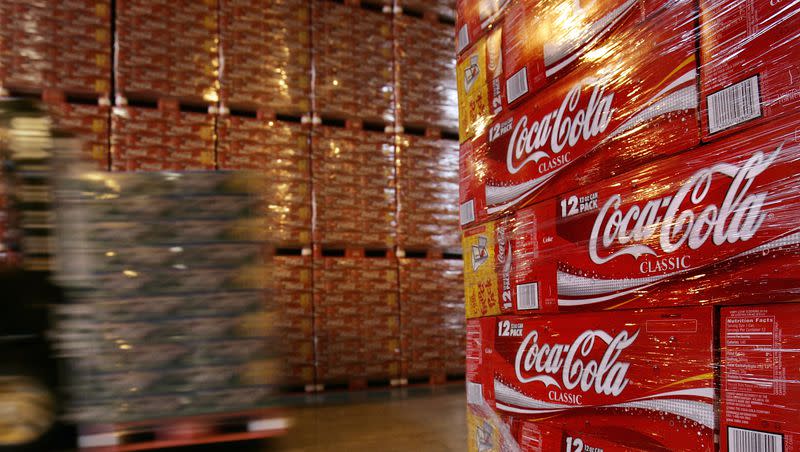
(167, 48)
(354, 64)
(346, 288)
(639, 378)
(713, 225)
(169, 305)
(266, 55)
(63, 46)
(628, 181)
(628, 95)
(431, 317)
(354, 179)
(427, 184)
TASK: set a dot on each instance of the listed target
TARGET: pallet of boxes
(169, 336)
(629, 188)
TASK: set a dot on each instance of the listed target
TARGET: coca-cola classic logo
(562, 128)
(737, 218)
(540, 363)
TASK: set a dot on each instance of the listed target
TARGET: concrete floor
(388, 421)
(436, 422)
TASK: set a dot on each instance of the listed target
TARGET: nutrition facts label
(473, 348)
(754, 367)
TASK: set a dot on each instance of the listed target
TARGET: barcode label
(743, 440)
(463, 38)
(467, 212)
(734, 105)
(528, 296)
(474, 393)
(517, 85)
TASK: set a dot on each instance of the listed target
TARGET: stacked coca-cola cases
(425, 66)
(353, 65)
(628, 177)
(167, 48)
(291, 282)
(427, 178)
(165, 51)
(432, 317)
(354, 187)
(278, 150)
(163, 138)
(57, 45)
(90, 123)
(266, 54)
(134, 128)
(58, 48)
(356, 319)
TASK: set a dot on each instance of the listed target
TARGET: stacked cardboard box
(90, 123)
(252, 64)
(172, 315)
(432, 317)
(354, 184)
(167, 49)
(27, 55)
(356, 319)
(425, 67)
(64, 46)
(427, 181)
(279, 151)
(266, 48)
(604, 168)
(291, 283)
(164, 138)
(353, 62)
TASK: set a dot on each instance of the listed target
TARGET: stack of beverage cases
(629, 206)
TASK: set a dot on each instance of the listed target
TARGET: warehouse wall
(349, 110)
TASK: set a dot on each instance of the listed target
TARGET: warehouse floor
(431, 423)
(429, 419)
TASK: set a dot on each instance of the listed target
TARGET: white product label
(463, 38)
(474, 393)
(734, 105)
(744, 440)
(517, 85)
(528, 296)
(467, 213)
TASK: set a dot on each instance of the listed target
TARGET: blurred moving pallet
(189, 430)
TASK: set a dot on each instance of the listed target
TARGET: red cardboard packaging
(750, 55)
(631, 100)
(638, 377)
(715, 225)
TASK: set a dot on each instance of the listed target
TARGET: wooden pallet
(433, 379)
(166, 104)
(427, 131)
(357, 384)
(353, 251)
(265, 114)
(57, 96)
(429, 253)
(160, 434)
(367, 124)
